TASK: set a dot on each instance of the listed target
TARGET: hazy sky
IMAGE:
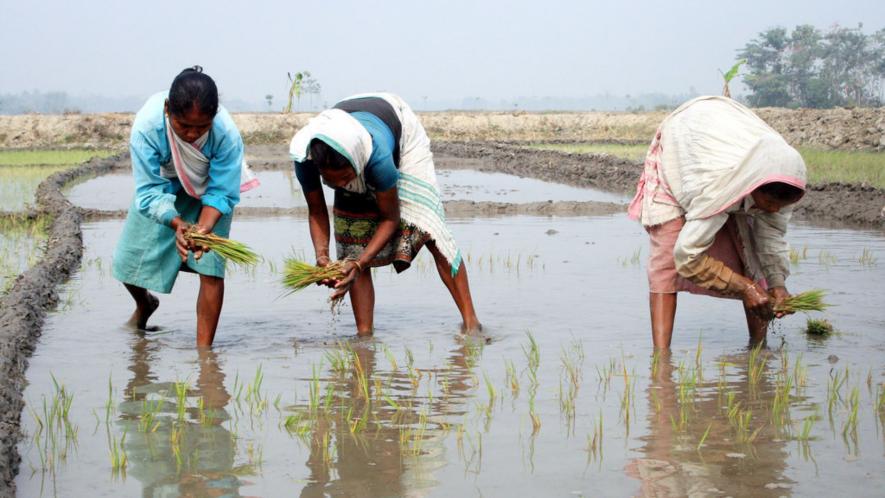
(441, 49)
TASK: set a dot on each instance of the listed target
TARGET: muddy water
(439, 416)
(281, 189)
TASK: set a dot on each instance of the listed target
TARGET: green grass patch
(49, 157)
(21, 246)
(18, 184)
(845, 166)
(824, 166)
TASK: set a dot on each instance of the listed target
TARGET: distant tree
(311, 87)
(269, 99)
(809, 68)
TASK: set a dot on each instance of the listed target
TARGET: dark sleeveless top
(381, 109)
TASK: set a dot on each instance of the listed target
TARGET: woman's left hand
(778, 295)
(351, 272)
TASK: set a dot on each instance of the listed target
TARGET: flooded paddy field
(561, 396)
(280, 189)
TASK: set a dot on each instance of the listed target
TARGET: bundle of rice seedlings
(818, 327)
(298, 275)
(812, 300)
(231, 250)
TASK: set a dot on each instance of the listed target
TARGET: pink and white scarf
(191, 166)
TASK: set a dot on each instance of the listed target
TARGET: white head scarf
(716, 152)
(343, 133)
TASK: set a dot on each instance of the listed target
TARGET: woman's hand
(322, 262)
(181, 243)
(779, 294)
(199, 250)
(756, 300)
(351, 270)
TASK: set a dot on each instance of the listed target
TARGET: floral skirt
(356, 219)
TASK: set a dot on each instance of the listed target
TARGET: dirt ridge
(839, 128)
(860, 206)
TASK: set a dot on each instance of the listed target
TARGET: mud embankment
(24, 307)
(855, 205)
(847, 129)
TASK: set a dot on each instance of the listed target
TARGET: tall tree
(809, 68)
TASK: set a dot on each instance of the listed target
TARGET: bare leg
(663, 314)
(145, 305)
(209, 303)
(362, 299)
(459, 288)
(758, 328)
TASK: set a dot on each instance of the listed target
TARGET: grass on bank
(23, 157)
(824, 166)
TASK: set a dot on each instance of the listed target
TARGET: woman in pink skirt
(715, 197)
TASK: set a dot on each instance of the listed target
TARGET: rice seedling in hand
(812, 300)
(231, 250)
(298, 275)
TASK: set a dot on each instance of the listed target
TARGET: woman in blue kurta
(186, 160)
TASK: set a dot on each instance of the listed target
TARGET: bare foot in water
(472, 328)
(140, 316)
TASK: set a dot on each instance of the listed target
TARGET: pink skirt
(662, 275)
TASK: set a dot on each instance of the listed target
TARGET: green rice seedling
(818, 327)
(533, 358)
(298, 275)
(807, 425)
(109, 407)
(867, 258)
(490, 389)
(512, 379)
(698, 363)
(850, 426)
(704, 437)
(834, 388)
(118, 457)
(755, 365)
(812, 300)
(391, 358)
(231, 250)
(594, 440)
(314, 390)
(800, 374)
(181, 388)
(149, 409)
(826, 258)
(536, 420)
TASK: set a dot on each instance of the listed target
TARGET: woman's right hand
(322, 262)
(181, 243)
(757, 301)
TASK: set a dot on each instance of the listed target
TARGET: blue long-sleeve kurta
(149, 147)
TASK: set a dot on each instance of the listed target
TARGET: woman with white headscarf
(187, 162)
(374, 152)
(715, 197)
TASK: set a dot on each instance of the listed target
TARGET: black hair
(193, 88)
(783, 192)
(325, 157)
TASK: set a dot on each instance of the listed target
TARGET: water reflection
(379, 431)
(714, 437)
(175, 441)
